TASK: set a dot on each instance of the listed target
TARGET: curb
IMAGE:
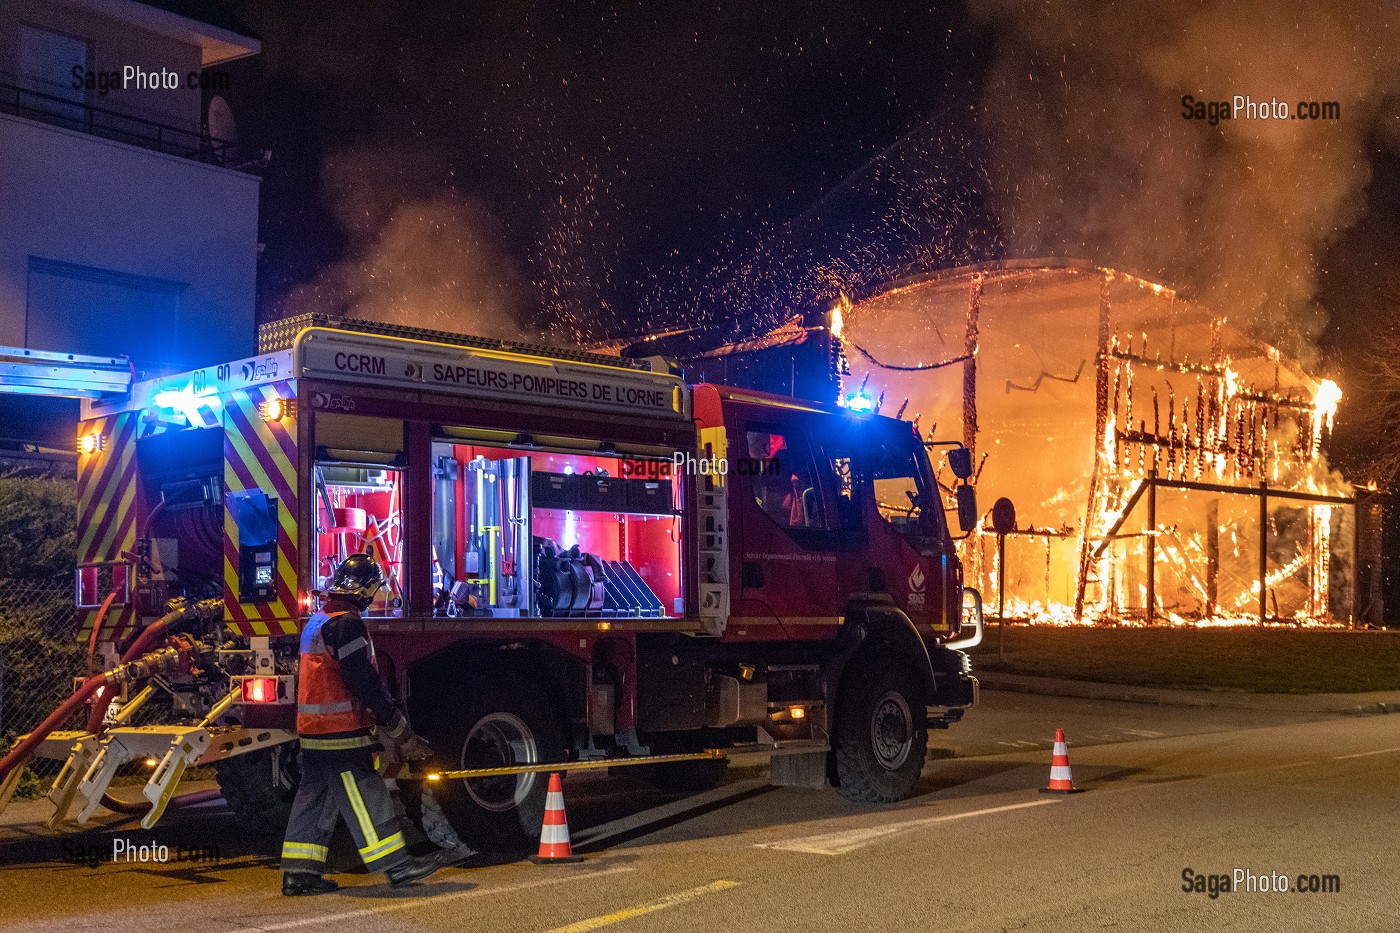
(1360, 704)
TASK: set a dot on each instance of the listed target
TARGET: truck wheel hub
(498, 741)
(891, 731)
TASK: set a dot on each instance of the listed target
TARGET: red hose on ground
(20, 753)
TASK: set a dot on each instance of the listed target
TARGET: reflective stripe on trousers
(356, 795)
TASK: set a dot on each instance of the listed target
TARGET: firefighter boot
(416, 869)
(303, 883)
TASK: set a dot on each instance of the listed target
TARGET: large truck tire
(880, 735)
(495, 723)
(259, 787)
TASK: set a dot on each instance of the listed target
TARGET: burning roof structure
(1161, 461)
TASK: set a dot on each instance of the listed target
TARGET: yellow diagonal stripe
(671, 900)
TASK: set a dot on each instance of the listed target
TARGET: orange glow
(277, 408)
(1090, 383)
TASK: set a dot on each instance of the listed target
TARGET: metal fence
(40, 652)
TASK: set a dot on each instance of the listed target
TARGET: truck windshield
(898, 469)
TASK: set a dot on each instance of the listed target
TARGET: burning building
(1162, 462)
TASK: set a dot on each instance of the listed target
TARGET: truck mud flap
(800, 767)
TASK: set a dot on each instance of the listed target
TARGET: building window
(46, 62)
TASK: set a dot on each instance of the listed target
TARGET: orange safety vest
(324, 703)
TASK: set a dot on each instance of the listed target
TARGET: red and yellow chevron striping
(261, 455)
(107, 490)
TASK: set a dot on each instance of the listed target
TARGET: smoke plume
(414, 255)
(1094, 158)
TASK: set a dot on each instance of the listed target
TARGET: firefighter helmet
(356, 580)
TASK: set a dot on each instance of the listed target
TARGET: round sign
(1003, 516)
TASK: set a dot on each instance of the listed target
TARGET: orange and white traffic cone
(554, 835)
(1061, 781)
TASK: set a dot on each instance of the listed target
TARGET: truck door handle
(752, 573)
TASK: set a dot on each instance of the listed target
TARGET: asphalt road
(978, 848)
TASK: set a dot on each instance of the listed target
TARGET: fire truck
(588, 561)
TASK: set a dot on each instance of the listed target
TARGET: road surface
(1166, 790)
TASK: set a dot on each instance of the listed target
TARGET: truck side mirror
(960, 460)
(967, 507)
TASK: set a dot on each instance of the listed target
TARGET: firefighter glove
(413, 748)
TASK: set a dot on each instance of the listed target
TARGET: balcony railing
(138, 131)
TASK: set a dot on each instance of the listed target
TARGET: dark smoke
(1093, 157)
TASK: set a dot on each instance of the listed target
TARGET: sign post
(1003, 523)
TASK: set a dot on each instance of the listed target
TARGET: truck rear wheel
(259, 787)
(502, 722)
(880, 736)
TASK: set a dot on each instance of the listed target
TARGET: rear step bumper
(90, 763)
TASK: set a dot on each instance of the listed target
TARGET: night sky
(587, 170)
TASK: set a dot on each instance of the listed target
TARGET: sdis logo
(916, 587)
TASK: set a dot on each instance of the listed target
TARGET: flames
(1325, 402)
(1209, 464)
(838, 316)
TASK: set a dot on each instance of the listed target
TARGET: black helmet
(356, 580)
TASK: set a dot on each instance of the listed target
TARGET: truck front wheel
(503, 722)
(880, 736)
(259, 787)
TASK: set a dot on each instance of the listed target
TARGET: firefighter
(340, 697)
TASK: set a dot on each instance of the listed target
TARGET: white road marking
(839, 843)
(665, 811)
(1145, 733)
(432, 901)
(1383, 751)
(670, 900)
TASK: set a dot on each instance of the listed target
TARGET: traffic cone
(1061, 782)
(554, 835)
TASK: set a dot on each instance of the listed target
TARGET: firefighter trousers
(342, 788)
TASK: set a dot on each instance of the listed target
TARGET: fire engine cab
(588, 561)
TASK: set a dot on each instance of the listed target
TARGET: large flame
(1213, 414)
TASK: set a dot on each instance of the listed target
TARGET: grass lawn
(1275, 661)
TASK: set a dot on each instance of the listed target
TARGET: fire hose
(171, 656)
(178, 652)
(143, 641)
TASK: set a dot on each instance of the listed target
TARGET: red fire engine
(588, 561)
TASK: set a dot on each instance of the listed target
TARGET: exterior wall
(66, 197)
(112, 45)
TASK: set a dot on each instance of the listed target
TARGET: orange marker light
(277, 408)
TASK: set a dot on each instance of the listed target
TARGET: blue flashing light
(200, 409)
(860, 403)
